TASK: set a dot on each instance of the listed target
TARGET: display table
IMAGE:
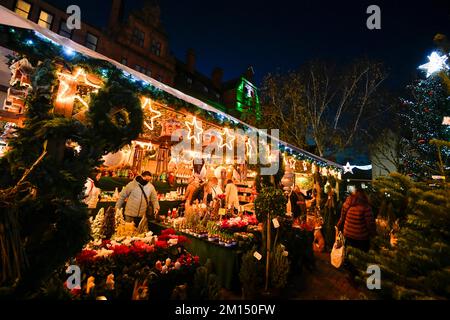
(164, 206)
(226, 261)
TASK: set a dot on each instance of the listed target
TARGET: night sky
(234, 34)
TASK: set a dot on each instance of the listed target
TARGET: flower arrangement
(160, 260)
(237, 223)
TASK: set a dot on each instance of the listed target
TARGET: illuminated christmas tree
(424, 114)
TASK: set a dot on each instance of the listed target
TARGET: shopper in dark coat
(298, 203)
(357, 221)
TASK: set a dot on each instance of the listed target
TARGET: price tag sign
(275, 222)
(222, 211)
(257, 255)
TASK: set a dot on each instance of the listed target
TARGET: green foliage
(251, 275)
(53, 220)
(116, 115)
(418, 266)
(279, 268)
(270, 201)
(205, 285)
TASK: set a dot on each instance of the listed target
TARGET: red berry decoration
(426, 109)
(421, 141)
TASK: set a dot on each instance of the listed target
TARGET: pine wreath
(116, 115)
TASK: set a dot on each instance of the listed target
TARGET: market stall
(147, 126)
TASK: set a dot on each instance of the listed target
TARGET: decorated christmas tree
(424, 113)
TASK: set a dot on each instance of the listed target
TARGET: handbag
(338, 251)
(143, 224)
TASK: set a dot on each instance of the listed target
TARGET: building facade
(138, 40)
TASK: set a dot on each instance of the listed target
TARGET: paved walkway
(326, 283)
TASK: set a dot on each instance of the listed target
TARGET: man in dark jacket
(357, 221)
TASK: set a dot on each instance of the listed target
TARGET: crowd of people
(353, 217)
(139, 197)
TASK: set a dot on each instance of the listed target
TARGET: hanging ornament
(305, 165)
(324, 171)
(421, 141)
(292, 163)
(313, 168)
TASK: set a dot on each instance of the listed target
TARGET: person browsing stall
(193, 184)
(215, 188)
(231, 195)
(92, 192)
(140, 194)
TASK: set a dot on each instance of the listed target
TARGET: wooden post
(267, 253)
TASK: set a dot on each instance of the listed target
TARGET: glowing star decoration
(230, 139)
(348, 168)
(436, 63)
(292, 163)
(195, 131)
(80, 75)
(156, 114)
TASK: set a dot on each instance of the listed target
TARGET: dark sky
(271, 35)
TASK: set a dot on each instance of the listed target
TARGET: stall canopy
(10, 18)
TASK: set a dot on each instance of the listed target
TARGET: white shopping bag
(338, 251)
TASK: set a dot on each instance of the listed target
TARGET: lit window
(91, 41)
(156, 48)
(23, 8)
(138, 37)
(64, 30)
(45, 19)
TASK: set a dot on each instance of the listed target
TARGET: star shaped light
(436, 63)
(157, 114)
(230, 139)
(196, 129)
(348, 168)
(63, 96)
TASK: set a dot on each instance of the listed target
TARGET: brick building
(138, 40)
(234, 96)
